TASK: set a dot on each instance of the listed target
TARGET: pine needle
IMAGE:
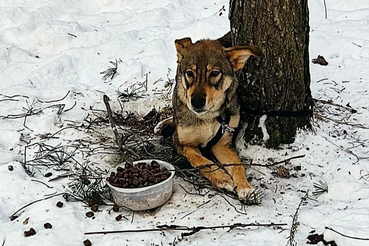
(320, 188)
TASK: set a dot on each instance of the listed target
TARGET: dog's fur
(205, 89)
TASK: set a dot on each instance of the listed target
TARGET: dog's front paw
(244, 192)
(220, 179)
(244, 189)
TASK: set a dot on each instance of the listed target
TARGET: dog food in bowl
(142, 185)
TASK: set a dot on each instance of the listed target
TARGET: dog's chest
(197, 135)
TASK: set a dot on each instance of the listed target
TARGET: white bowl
(148, 197)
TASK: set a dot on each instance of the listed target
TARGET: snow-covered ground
(52, 53)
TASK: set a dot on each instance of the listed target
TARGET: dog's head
(206, 72)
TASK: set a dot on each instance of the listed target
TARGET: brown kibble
(155, 164)
(128, 165)
(59, 204)
(10, 168)
(119, 217)
(87, 242)
(32, 231)
(94, 208)
(90, 214)
(29, 233)
(90, 202)
(141, 166)
(145, 178)
(48, 174)
(139, 175)
(48, 226)
(297, 168)
(116, 208)
(25, 222)
(320, 60)
(155, 170)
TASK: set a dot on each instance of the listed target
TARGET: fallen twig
(330, 102)
(279, 162)
(343, 235)
(233, 206)
(191, 230)
(56, 100)
(38, 181)
(193, 193)
(295, 223)
(118, 138)
(343, 122)
(199, 206)
(14, 215)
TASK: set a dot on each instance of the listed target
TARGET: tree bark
(277, 84)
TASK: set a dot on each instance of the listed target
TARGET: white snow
(263, 127)
(55, 50)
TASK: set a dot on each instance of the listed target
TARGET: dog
(206, 111)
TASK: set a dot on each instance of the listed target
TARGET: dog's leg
(217, 177)
(165, 127)
(225, 154)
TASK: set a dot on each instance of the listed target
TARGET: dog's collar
(224, 127)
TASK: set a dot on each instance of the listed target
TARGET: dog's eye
(189, 73)
(214, 73)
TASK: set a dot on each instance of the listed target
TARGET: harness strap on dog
(224, 126)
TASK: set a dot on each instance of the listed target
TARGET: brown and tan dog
(206, 110)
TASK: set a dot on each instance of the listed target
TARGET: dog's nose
(198, 102)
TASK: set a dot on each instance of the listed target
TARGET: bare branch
(343, 235)
(191, 230)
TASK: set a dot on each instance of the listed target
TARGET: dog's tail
(165, 127)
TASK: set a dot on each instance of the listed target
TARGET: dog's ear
(226, 40)
(181, 45)
(238, 55)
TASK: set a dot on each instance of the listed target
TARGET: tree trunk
(277, 84)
